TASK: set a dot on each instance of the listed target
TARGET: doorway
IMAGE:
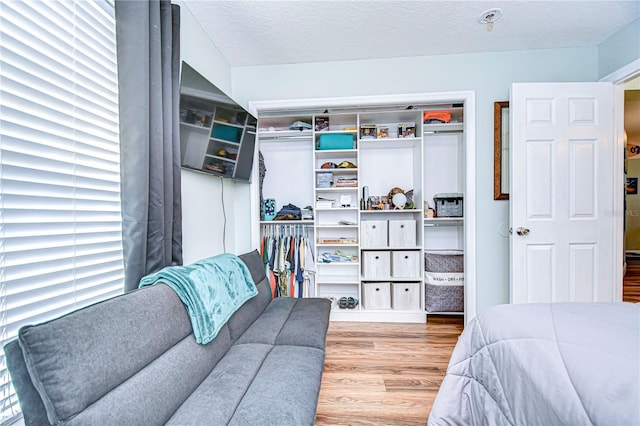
(631, 281)
(620, 78)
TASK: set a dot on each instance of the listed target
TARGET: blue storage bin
(227, 133)
(335, 141)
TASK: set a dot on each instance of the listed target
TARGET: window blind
(60, 220)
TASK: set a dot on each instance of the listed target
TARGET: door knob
(522, 231)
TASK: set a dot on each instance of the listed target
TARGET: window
(60, 220)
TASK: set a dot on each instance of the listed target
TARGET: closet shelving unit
(287, 155)
(386, 273)
(336, 225)
(443, 155)
(391, 276)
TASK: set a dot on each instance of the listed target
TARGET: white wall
(203, 218)
(619, 50)
(489, 74)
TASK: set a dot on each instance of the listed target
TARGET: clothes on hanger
(288, 257)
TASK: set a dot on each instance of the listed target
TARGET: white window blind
(60, 220)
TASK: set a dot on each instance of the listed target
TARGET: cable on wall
(224, 218)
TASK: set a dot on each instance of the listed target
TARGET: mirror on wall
(501, 150)
(217, 136)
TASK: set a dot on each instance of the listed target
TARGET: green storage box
(335, 141)
(227, 133)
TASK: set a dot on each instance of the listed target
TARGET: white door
(562, 192)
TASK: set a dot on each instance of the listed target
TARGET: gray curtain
(148, 40)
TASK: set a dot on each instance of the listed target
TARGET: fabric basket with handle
(444, 281)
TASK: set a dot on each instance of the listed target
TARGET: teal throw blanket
(212, 290)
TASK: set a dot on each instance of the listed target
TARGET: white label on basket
(444, 278)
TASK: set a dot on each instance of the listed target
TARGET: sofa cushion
(267, 327)
(307, 324)
(255, 265)
(70, 359)
(216, 399)
(247, 314)
(289, 321)
(285, 390)
(153, 394)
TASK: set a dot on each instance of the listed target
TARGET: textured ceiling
(286, 32)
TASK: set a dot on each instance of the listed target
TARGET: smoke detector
(489, 17)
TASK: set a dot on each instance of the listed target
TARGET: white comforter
(545, 364)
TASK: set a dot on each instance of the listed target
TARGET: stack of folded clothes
(429, 117)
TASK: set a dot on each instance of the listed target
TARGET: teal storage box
(335, 141)
(227, 133)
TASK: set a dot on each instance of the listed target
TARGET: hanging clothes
(285, 251)
(309, 269)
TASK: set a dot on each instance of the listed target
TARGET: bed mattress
(545, 364)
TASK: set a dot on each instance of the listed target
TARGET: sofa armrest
(32, 406)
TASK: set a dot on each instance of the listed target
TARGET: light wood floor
(384, 374)
(631, 286)
(389, 374)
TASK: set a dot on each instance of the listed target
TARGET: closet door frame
(467, 98)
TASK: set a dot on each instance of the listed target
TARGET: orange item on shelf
(442, 116)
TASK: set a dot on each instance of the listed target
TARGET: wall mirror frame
(501, 150)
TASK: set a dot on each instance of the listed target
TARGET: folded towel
(438, 116)
(212, 289)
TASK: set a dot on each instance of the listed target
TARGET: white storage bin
(374, 233)
(405, 264)
(402, 233)
(376, 295)
(376, 264)
(406, 296)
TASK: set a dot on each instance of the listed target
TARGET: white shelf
(286, 222)
(326, 280)
(288, 135)
(337, 131)
(392, 315)
(388, 143)
(387, 248)
(372, 212)
(445, 313)
(391, 279)
(336, 208)
(443, 128)
(226, 142)
(443, 221)
(338, 314)
(217, 157)
(226, 123)
(339, 170)
(335, 189)
(337, 226)
(332, 153)
(195, 127)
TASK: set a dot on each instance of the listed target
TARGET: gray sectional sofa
(133, 360)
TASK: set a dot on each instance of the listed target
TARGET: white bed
(545, 364)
